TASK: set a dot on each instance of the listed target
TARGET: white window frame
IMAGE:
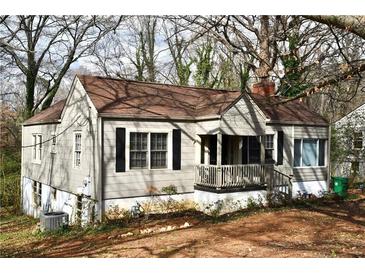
(145, 151)
(362, 140)
(273, 155)
(150, 150)
(317, 150)
(37, 148)
(74, 149)
(149, 131)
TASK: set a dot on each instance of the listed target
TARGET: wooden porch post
(262, 148)
(219, 159)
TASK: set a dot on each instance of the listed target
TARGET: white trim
(74, 148)
(75, 81)
(275, 152)
(36, 144)
(149, 131)
(317, 151)
(267, 119)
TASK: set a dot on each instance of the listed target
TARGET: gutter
(298, 123)
(41, 123)
(162, 118)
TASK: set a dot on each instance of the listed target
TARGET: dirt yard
(330, 229)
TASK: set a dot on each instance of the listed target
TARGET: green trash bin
(340, 185)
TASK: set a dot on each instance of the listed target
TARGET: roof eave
(299, 123)
(41, 122)
(141, 117)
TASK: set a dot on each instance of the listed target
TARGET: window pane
(40, 147)
(158, 141)
(321, 157)
(310, 152)
(138, 141)
(358, 139)
(158, 150)
(297, 152)
(77, 153)
(138, 150)
(138, 159)
(269, 141)
(158, 159)
(355, 168)
(268, 154)
(34, 147)
(254, 150)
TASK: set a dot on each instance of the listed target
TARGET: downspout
(329, 157)
(100, 187)
(22, 172)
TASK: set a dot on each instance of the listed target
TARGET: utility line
(55, 135)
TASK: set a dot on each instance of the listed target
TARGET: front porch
(230, 163)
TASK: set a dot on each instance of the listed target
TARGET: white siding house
(351, 132)
(113, 142)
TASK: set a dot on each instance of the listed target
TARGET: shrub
(158, 205)
(114, 214)
(10, 192)
(170, 190)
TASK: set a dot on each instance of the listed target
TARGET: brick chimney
(264, 87)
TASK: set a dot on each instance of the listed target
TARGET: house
(351, 133)
(115, 142)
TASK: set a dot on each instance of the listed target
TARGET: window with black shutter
(176, 149)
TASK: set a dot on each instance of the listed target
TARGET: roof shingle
(289, 112)
(150, 100)
(128, 98)
(49, 115)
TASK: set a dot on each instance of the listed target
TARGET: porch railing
(231, 176)
(280, 183)
(242, 176)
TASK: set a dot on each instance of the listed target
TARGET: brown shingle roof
(128, 98)
(290, 112)
(152, 100)
(49, 115)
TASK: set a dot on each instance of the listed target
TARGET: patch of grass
(352, 197)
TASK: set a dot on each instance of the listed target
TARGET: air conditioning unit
(51, 221)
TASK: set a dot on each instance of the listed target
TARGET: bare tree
(42, 48)
(353, 24)
(179, 43)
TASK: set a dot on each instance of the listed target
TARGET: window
(40, 146)
(358, 140)
(355, 168)
(158, 150)
(309, 152)
(37, 194)
(138, 150)
(253, 150)
(37, 147)
(147, 150)
(34, 147)
(77, 149)
(269, 146)
(53, 139)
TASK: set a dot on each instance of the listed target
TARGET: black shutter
(244, 150)
(280, 148)
(213, 149)
(120, 150)
(176, 149)
(202, 149)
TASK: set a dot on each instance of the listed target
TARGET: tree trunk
(30, 87)
(264, 54)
